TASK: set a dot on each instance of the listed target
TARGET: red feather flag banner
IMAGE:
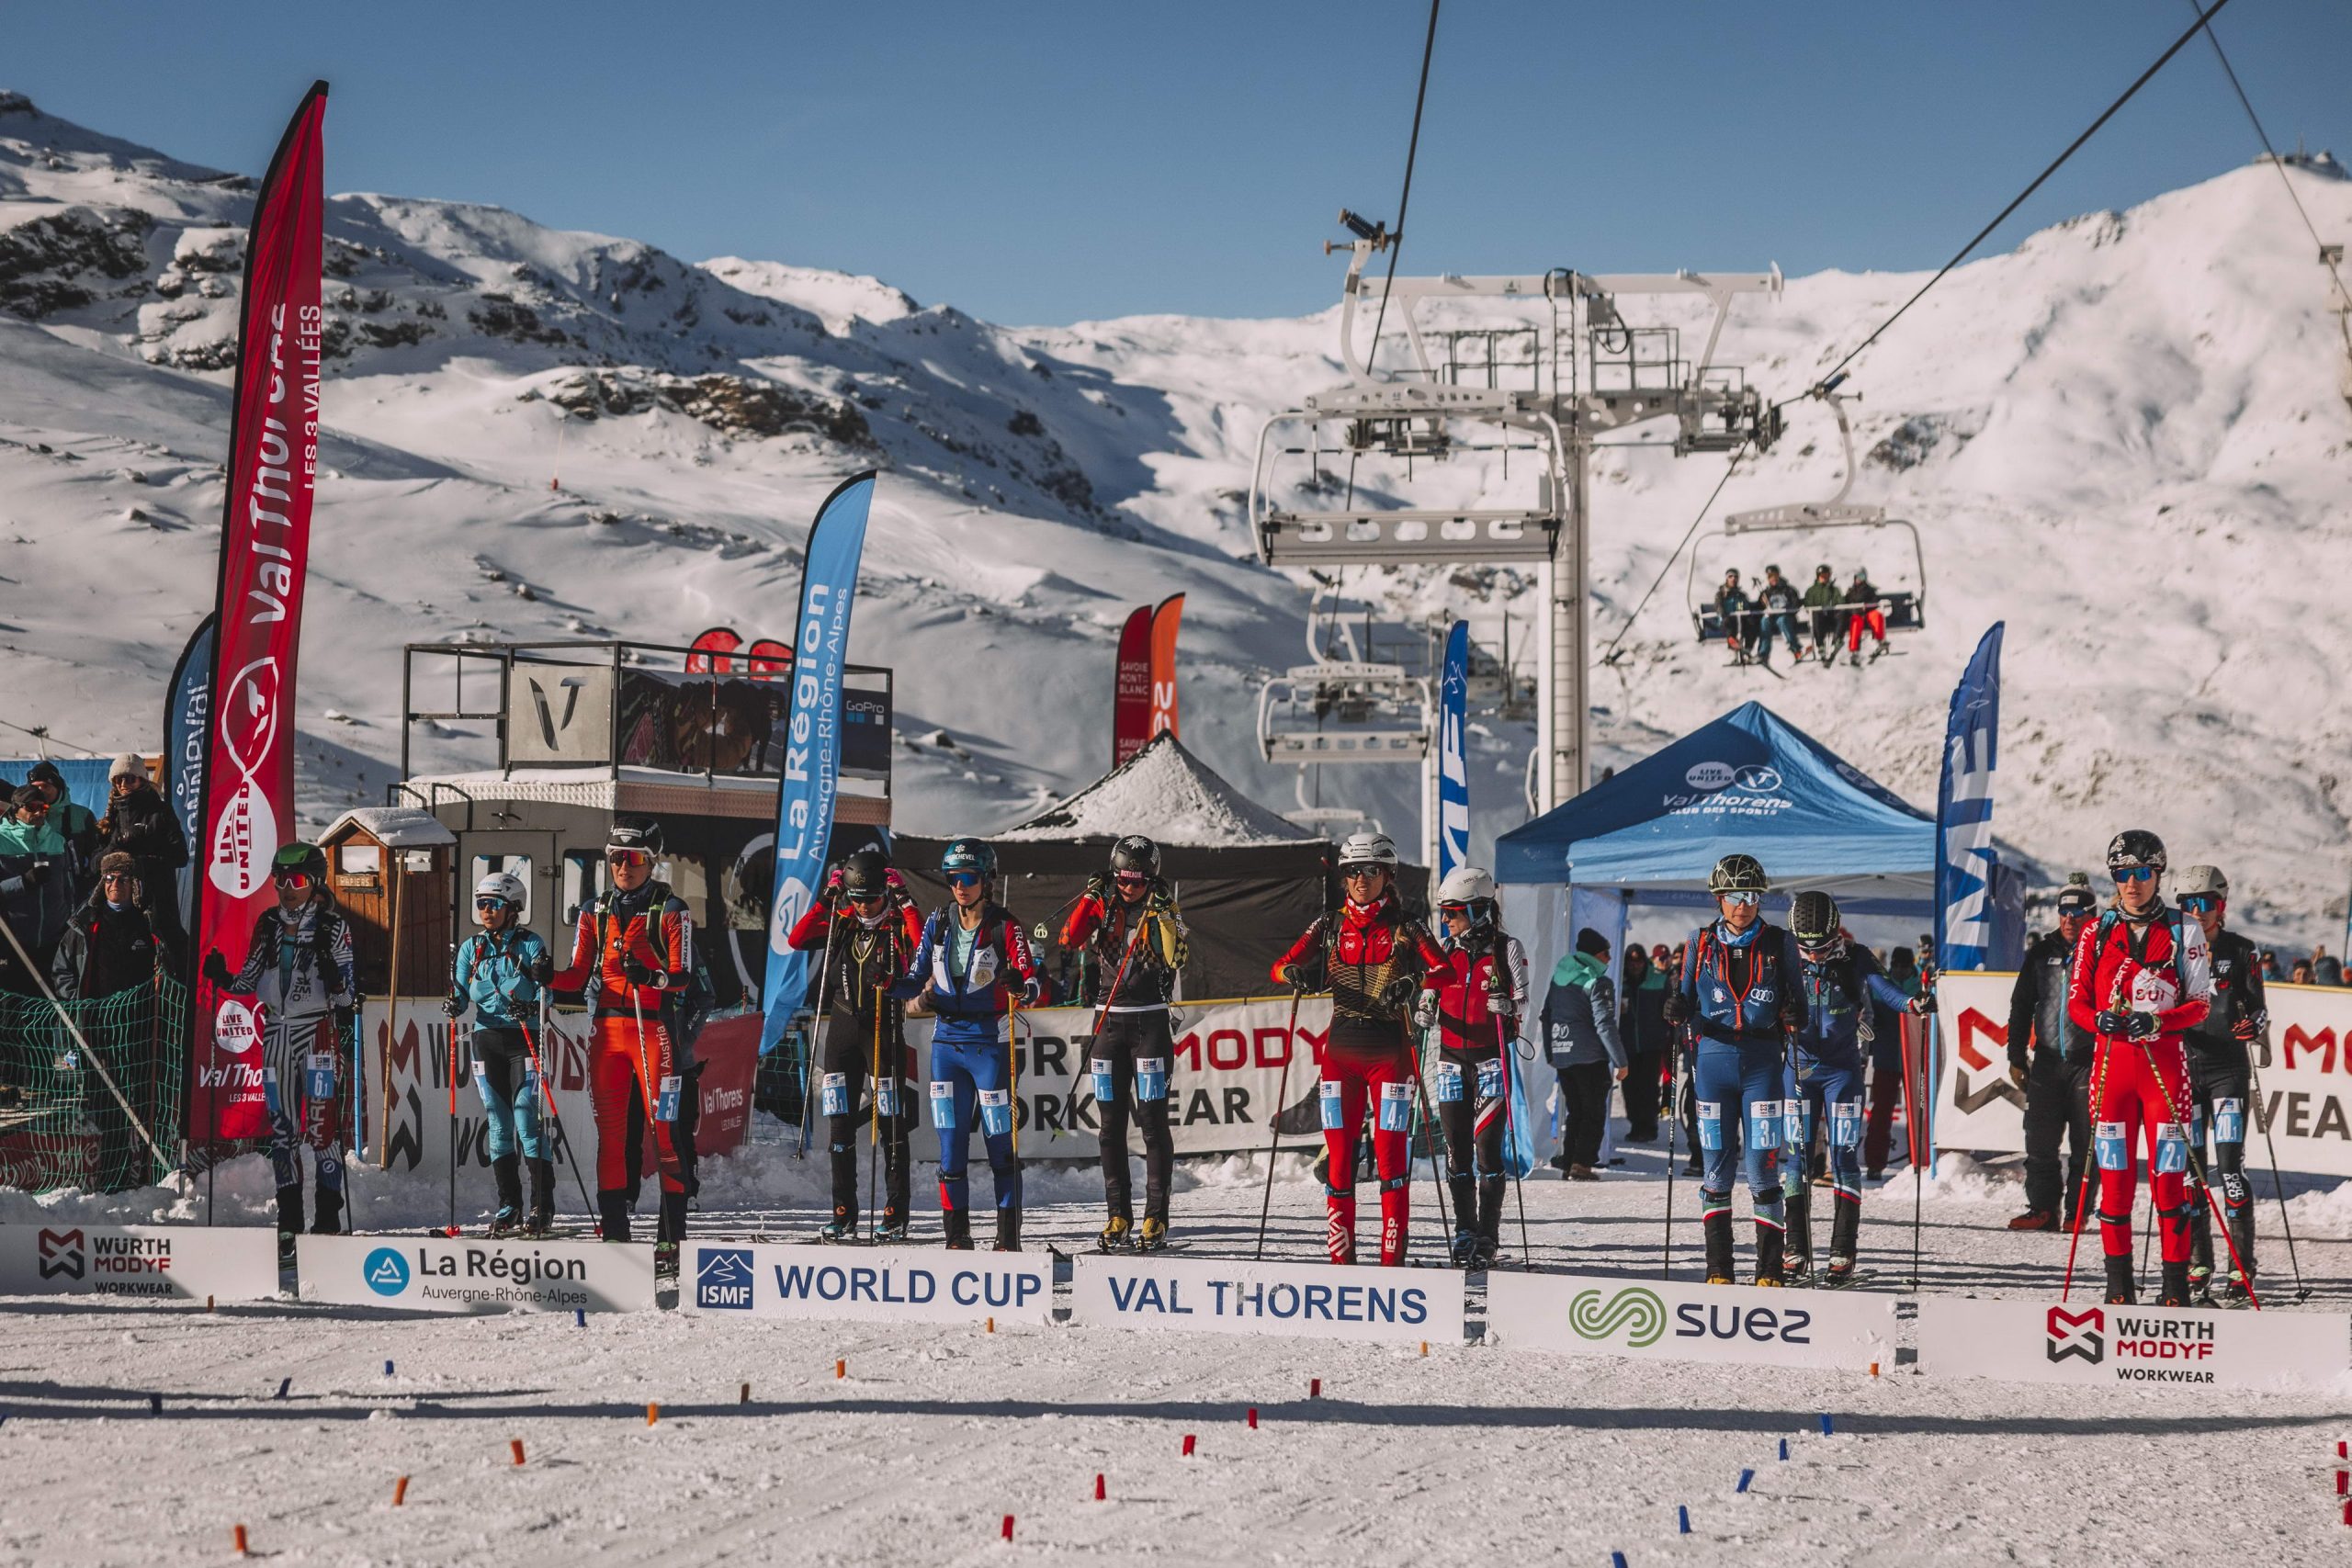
(273, 464)
(1165, 620)
(1131, 696)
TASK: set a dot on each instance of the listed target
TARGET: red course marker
(399, 1491)
(1008, 1527)
(239, 1534)
(1099, 1494)
(1188, 1445)
(1314, 1388)
(1253, 1418)
(514, 1446)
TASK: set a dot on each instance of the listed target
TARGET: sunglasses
(862, 898)
(1747, 900)
(297, 880)
(2134, 874)
(1360, 872)
(963, 879)
(492, 904)
(627, 857)
(2200, 903)
(1130, 878)
(117, 876)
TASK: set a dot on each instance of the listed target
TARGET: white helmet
(502, 884)
(2207, 879)
(1367, 849)
(1466, 884)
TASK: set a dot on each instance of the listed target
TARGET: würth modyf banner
(1964, 858)
(1453, 755)
(265, 550)
(812, 754)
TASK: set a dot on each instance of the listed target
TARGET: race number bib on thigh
(2114, 1149)
(1764, 1124)
(2229, 1120)
(2171, 1148)
(1106, 1084)
(832, 1099)
(318, 1075)
(1845, 1124)
(1490, 1080)
(1711, 1125)
(996, 1111)
(1151, 1078)
(942, 1105)
(1449, 1083)
(1395, 1107)
(1334, 1105)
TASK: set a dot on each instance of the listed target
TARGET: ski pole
(873, 1126)
(1274, 1131)
(1103, 1012)
(2277, 1183)
(1911, 1143)
(555, 1117)
(453, 1127)
(817, 1020)
(1429, 1119)
(1673, 1126)
(2083, 1187)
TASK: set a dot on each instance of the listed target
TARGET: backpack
(683, 1013)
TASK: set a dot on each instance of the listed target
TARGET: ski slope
(2124, 438)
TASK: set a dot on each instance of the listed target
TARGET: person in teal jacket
(499, 973)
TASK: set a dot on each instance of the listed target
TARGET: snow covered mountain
(2125, 439)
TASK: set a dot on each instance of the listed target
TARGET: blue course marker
(580, 1316)
(388, 1368)
(1616, 1559)
(1744, 1477)
(1825, 1427)
(1682, 1519)
(1784, 1448)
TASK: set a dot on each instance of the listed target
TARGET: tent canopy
(1751, 782)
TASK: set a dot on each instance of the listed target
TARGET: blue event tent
(1750, 782)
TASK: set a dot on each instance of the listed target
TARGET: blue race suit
(493, 973)
(970, 977)
(1823, 1085)
(1737, 985)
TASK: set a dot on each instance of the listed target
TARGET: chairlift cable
(2227, 69)
(2203, 19)
(1729, 468)
(1412, 149)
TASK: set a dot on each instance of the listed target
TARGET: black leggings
(1471, 1114)
(2224, 1110)
(1127, 1042)
(842, 1088)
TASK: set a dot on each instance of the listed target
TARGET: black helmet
(1813, 918)
(968, 854)
(1136, 853)
(635, 833)
(1823, 570)
(2133, 847)
(1736, 873)
(299, 858)
(866, 874)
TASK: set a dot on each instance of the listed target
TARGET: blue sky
(1046, 163)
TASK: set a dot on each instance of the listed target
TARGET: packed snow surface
(1164, 792)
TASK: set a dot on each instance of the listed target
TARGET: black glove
(1925, 1002)
(637, 974)
(1677, 1010)
(1294, 976)
(217, 970)
(347, 1022)
(1791, 1015)
(2111, 1023)
(542, 969)
(1163, 898)
(2141, 1026)
(454, 1005)
(1398, 993)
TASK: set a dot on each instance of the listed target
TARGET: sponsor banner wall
(1590, 1315)
(1221, 1080)
(234, 1263)
(2305, 1099)
(879, 1284)
(408, 1124)
(2084, 1342)
(453, 1274)
(1310, 1301)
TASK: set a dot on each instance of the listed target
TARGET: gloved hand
(1399, 991)
(833, 885)
(892, 880)
(1033, 991)
(2018, 1074)
(542, 969)
(1097, 885)
(2250, 1027)
(217, 970)
(1923, 1003)
(1677, 1009)
(1163, 898)
(1793, 1015)
(1294, 976)
(637, 974)
(1425, 1011)
(2141, 1026)
(454, 1007)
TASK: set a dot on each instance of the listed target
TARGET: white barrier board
(881, 1284)
(1589, 1316)
(2086, 1342)
(453, 1274)
(232, 1263)
(1313, 1301)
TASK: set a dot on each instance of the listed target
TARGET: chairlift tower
(1585, 373)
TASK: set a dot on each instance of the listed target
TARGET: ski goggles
(1746, 900)
(964, 879)
(2133, 873)
(2200, 903)
(297, 880)
(1353, 873)
(865, 898)
(627, 857)
(1130, 878)
(491, 902)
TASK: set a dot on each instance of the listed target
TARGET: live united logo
(2141, 1348)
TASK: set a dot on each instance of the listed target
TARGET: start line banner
(1657, 1320)
(2304, 1101)
(232, 1263)
(453, 1274)
(1310, 1301)
(2197, 1347)
(873, 1284)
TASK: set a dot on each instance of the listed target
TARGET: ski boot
(286, 1243)
(504, 1223)
(2034, 1220)
(1768, 1254)
(505, 1172)
(1796, 1247)
(1718, 1229)
(1008, 1230)
(1844, 1231)
(2120, 1290)
(1484, 1253)
(1153, 1237)
(842, 1227)
(1841, 1267)
(2200, 1284)
(957, 1225)
(1464, 1250)
(1116, 1236)
(328, 1220)
(892, 1231)
(669, 1233)
(541, 1218)
(2176, 1291)
(2238, 1292)
(612, 1215)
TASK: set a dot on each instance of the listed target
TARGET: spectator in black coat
(1647, 1037)
(75, 824)
(140, 824)
(108, 945)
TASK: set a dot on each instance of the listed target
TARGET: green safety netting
(60, 1124)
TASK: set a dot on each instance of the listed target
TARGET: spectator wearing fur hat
(108, 945)
(140, 824)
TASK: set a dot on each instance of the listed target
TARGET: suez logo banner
(1587, 1315)
(1314, 1301)
(162, 1262)
(881, 1284)
(2305, 1107)
(2084, 1341)
(439, 1274)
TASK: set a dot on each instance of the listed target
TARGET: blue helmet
(968, 855)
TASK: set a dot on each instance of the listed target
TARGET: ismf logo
(724, 1279)
(386, 1271)
(2078, 1333)
(1639, 1313)
(62, 1252)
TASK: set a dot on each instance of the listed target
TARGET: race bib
(1845, 1124)
(1106, 1085)
(665, 1108)
(1151, 1078)
(1395, 1107)
(1490, 1080)
(1764, 1124)
(942, 1106)
(2114, 1149)
(2229, 1120)
(996, 1111)
(1711, 1125)
(269, 1089)
(2171, 1148)
(1449, 1083)
(1334, 1105)
(885, 1096)
(2153, 991)
(832, 1099)
(1794, 1112)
